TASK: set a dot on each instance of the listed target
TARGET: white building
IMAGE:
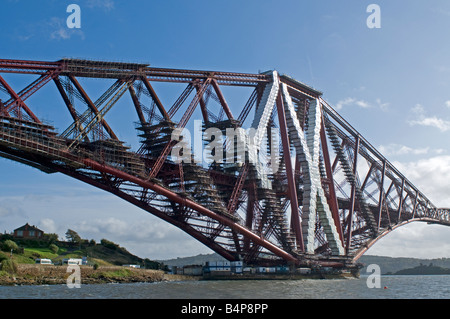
(75, 261)
(44, 261)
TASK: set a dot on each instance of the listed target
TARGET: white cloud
(60, 31)
(351, 101)
(422, 242)
(431, 176)
(104, 4)
(361, 103)
(93, 214)
(447, 103)
(440, 124)
(53, 28)
(145, 236)
(117, 227)
(48, 224)
(432, 121)
(397, 149)
(10, 207)
(382, 106)
(418, 109)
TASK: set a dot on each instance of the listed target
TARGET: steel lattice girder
(249, 213)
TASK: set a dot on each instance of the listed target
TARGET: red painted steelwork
(221, 206)
(292, 188)
(186, 202)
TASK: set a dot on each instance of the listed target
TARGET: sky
(392, 84)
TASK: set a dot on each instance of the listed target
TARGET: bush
(95, 266)
(9, 245)
(2, 257)
(50, 238)
(53, 248)
(9, 266)
(36, 255)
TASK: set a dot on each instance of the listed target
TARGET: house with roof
(28, 232)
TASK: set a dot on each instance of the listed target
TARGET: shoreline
(35, 274)
(281, 277)
(32, 274)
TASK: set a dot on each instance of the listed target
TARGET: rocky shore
(49, 274)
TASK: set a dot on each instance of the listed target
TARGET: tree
(51, 238)
(73, 236)
(109, 244)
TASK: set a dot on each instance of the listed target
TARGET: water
(397, 287)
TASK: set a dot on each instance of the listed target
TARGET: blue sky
(392, 84)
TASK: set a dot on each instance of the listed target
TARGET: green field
(31, 254)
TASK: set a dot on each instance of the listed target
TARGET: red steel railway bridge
(330, 196)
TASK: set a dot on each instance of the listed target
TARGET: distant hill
(395, 264)
(424, 270)
(193, 260)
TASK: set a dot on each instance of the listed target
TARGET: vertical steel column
(415, 204)
(400, 204)
(251, 198)
(380, 200)
(332, 201)
(352, 196)
(292, 189)
(385, 202)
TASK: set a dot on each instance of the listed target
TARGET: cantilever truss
(306, 187)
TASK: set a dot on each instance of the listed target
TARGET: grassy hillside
(104, 254)
(114, 256)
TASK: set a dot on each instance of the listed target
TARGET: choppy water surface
(404, 287)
